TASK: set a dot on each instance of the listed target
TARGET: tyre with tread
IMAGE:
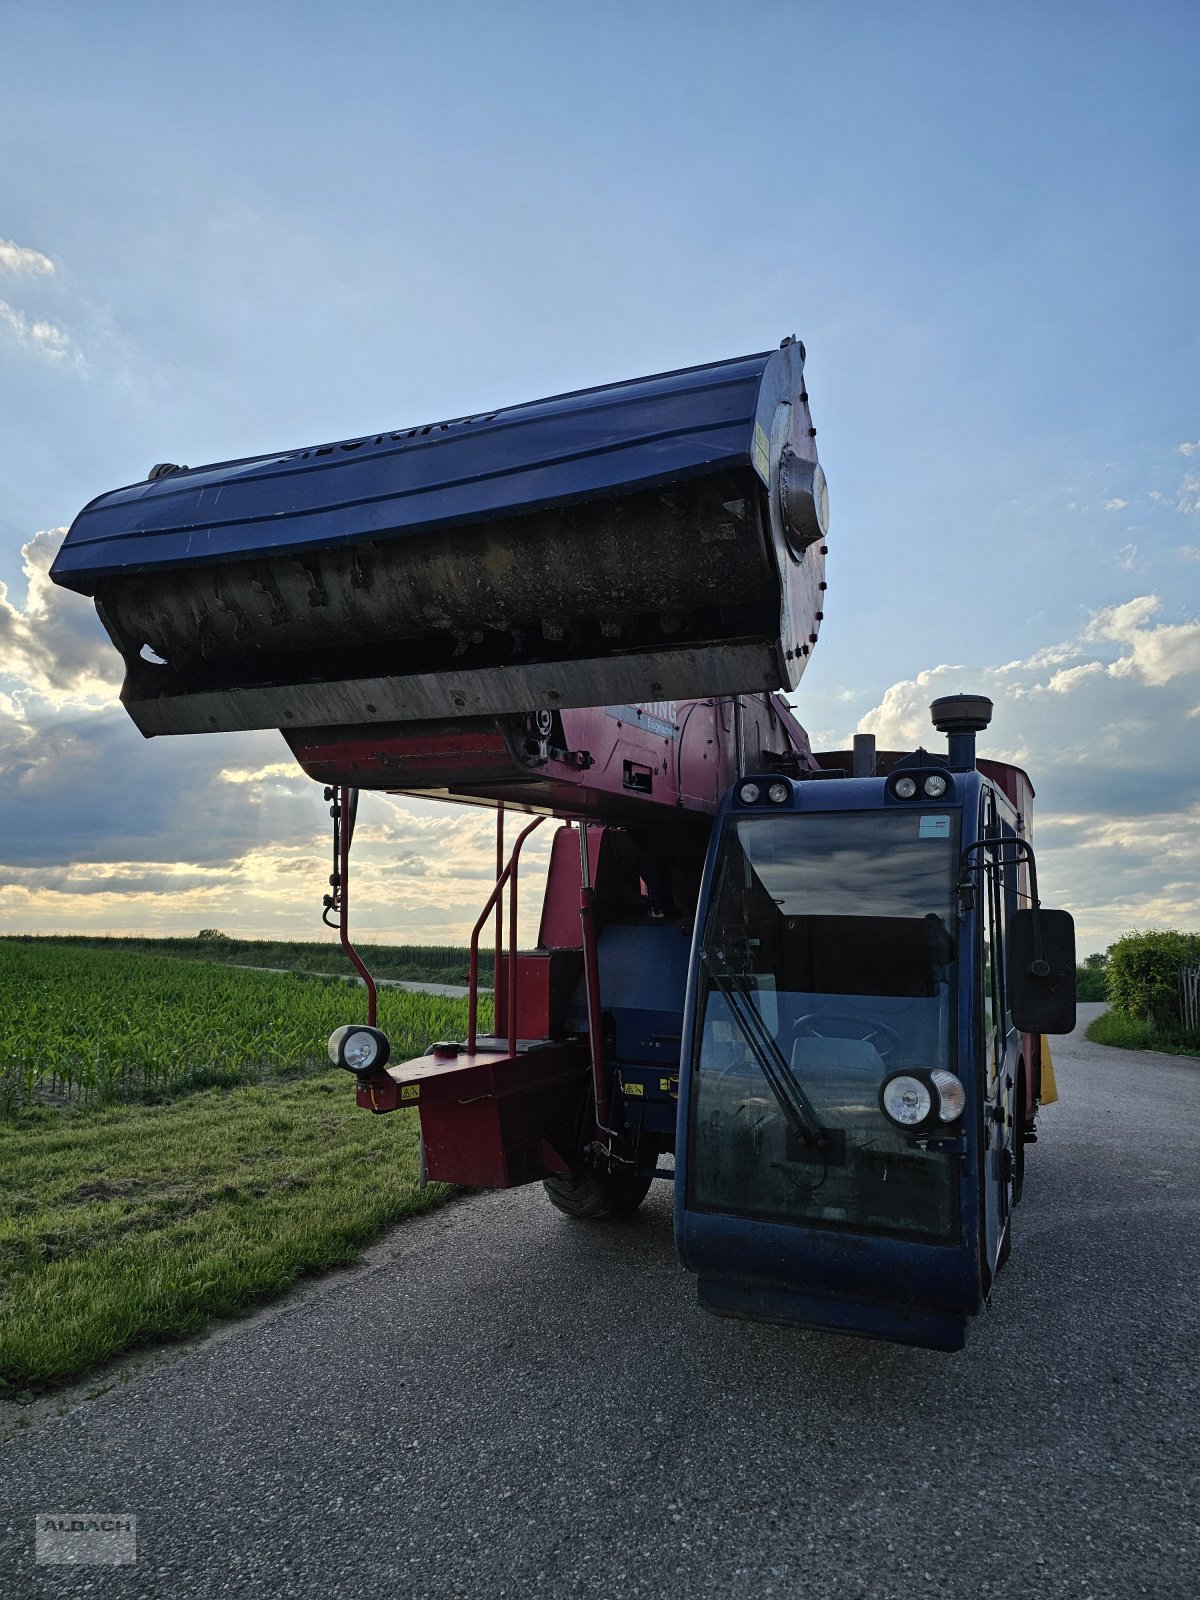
(590, 1195)
(1018, 1176)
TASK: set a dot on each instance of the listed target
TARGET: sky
(229, 229)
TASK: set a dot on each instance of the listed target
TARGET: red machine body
(612, 764)
(506, 1109)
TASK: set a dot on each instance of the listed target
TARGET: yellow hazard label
(761, 453)
(635, 1088)
(410, 1091)
(668, 1085)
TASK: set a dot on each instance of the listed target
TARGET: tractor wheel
(1018, 1154)
(1005, 1245)
(590, 1195)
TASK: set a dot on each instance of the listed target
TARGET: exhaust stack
(960, 717)
(864, 755)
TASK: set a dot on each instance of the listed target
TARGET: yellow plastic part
(1049, 1087)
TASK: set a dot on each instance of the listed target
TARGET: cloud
(1154, 654)
(45, 339)
(102, 829)
(274, 770)
(18, 259)
(54, 646)
(1189, 449)
(1115, 505)
(1187, 499)
(1071, 677)
(1099, 723)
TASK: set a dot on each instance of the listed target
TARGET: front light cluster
(358, 1049)
(778, 793)
(908, 788)
(919, 1100)
(933, 787)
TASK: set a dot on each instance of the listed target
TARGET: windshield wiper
(793, 1102)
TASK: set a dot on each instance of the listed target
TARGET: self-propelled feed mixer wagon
(819, 982)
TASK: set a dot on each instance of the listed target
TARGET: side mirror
(1041, 982)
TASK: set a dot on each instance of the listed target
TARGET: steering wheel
(886, 1040)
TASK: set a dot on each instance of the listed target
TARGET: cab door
(1000, 1043)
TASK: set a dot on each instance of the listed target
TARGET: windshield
(827, 963)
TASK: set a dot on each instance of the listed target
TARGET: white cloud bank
(1155, 654)
(43, 338)
(20, 260)
(1104, 724)
(54, 646)
(101, 829)
(36, 334)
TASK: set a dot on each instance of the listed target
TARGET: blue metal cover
(592, 443)
(657, 539)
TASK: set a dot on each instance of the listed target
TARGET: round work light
(779, 794)
(358, 1049)
(935, 786)
(748, 794)
(906, 1100)
(904, 788)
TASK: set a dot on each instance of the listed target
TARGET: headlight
(919, 1100)
(904, 788)
(748, 794)
(358, 1049)
(952, 1097)
(934, 786)
(779, 794)
(905, 1100)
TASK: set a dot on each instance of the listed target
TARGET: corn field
(91, 1026)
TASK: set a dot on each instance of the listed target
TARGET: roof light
(779, 794)
(935, 786)
(749, 794)
(904, 788)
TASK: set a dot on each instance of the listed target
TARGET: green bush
(1110, 1027)
(1091, 983)
(1143, 976)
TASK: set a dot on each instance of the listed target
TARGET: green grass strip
(124, 1226)
(419, 962)
(1133, 1033)
(114, 1025)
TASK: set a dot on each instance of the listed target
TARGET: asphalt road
(504, 1403)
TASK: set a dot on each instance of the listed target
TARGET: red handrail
(499, 911)
(473, 976)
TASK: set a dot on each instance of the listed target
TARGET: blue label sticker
(934, 828)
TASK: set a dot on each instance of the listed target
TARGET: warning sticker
(410, 1091)
(934, 828)
(761, 453)
(635, 1088)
